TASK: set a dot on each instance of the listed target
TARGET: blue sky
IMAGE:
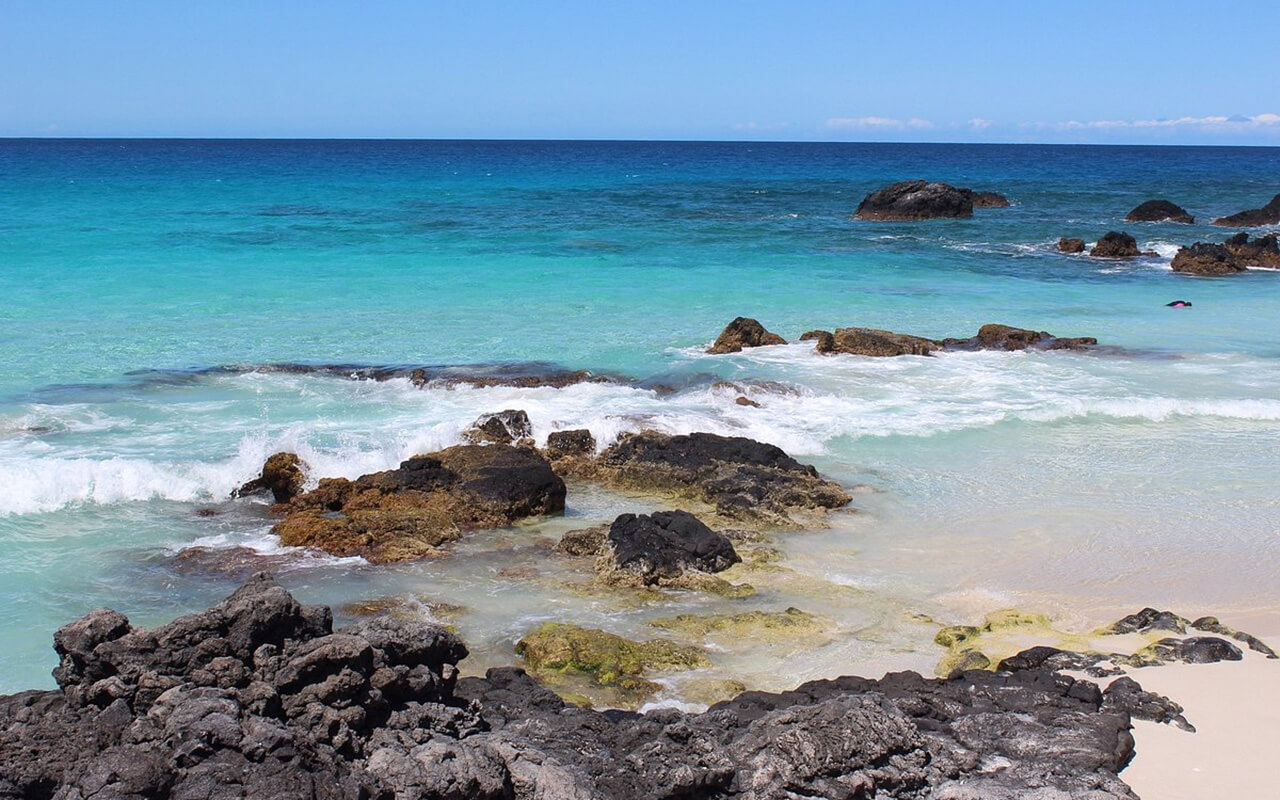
(1124, 72)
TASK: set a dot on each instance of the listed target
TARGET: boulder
(993, 336)
(583, 541)
(1267, 215)
(915, 200)
(282, 475)
(409, 512)
(1259, 252)
(743, 332)
(1212, 625)
(1159, 211)
(504, 427)
(880, 343)
(259, 697)
(986, 199)
(1147, 620)
(1127, 695)
(651, 549)
(1206, 259)
(1070, 245)
(562, 444)
(740, 478)
(1192, 650)
(825, 341)
(1116, 244)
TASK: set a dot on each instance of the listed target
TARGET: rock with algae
(789, 626)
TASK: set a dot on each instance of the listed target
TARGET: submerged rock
(791, 626)
(282, 475)
(915, 200)
(743, 332)
(1070, 245)
(1116, 244)
(740, 478)
(409, 512)
(258, 697)
(584, 541)
(653, 549)
(1267, 215)
(1159, 211)
(1206, 259)
(504, 427)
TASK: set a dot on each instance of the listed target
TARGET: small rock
(1070, 245)
(743, 332)
(584, 542)
(1206, 259)
(504, 427)
(825, 341)
(1159, 211)
(1124, 694)
(561, 444)
(1148, 619)
(663, 546)
(282, 475)
(1115, 244)
(880, 343)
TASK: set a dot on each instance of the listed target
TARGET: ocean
(147, 283)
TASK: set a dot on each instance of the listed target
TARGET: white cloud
(758, 127)
(1207, 123)
(876, 123)
(980, 124)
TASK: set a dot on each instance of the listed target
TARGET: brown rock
(1203, 258)
(1267, 215)
(577, 442)
(879, 343)
(409, 512)
(743, 332)
(1005, 337)
(1115, 244)
(1260, 252)
(1070, 245)
(503, 427)
(825, 340)
(282, 475)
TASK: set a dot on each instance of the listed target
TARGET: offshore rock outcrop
(1203, 258)
(1116, 244)
(741, 479)
(259, 698)
(1260, 252)
(1070, 244)
(1159, 211)
(1267, 215)
(409, 512)
(741, 333)
(986, 199)
(916, 200)
(282, 475)
(992, 336)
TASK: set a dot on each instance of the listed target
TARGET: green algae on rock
(751, 626)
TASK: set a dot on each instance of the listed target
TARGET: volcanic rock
(259, 698)
(1159, 211)
(504, 427)
(1146, 620)
(561, 444)
(1070, 245)
(1202, 258)
(1212, 625)
(650, 549)
(915, 200)
(986, 199)
(740, 478)
(1116, 244)
(1126, 695)
(1267, 215)
(743, 332)
(406, 513)
(1260, 252)
(1192, 650)
(282, 475)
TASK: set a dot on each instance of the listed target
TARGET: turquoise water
(1078, 483)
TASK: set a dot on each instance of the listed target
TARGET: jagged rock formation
(1116, 244)
(1203, 258)
(511, 426)
(282, 475)
(1267, 215)
(258, 698)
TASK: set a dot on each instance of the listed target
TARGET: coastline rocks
(1070, 245)
(564, 444)
(994, 336)
(1192, 650)
(915, 200)
(1159, 211)
(511, 426)
(659, 548)
(1146, 620)
(408, 512)
(986, 199)
(1203, 258)
(554, 649)
(1116, 244)
(878, 343)
(791, 626)
(1260, 252)
(825, 341)
(1267, 215)
(743, 332)
(282, 475)
(260, 698)
(1212, 625)
(740, 478)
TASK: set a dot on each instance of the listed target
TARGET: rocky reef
(258, 697)
(1234, 255)
(1160, 210)
(1267, 215)
(993, 336)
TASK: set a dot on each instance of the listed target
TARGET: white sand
(1235, 752)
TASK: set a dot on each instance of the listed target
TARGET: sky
(1124, 71)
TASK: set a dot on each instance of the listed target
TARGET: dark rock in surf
(409, 512)
(1206, 259)
(665, 545)
(282, 475)
(824, 341)
(1159, 211)
(1070, 245)
(915, 200)
(743, 332)
(740, 478)
(563, 444)
(879, 343)
(1259, 252)
(1267, 215)
(994, 336)
(1116, 244)
(504, 427)
(259, 697)
(986, 199)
